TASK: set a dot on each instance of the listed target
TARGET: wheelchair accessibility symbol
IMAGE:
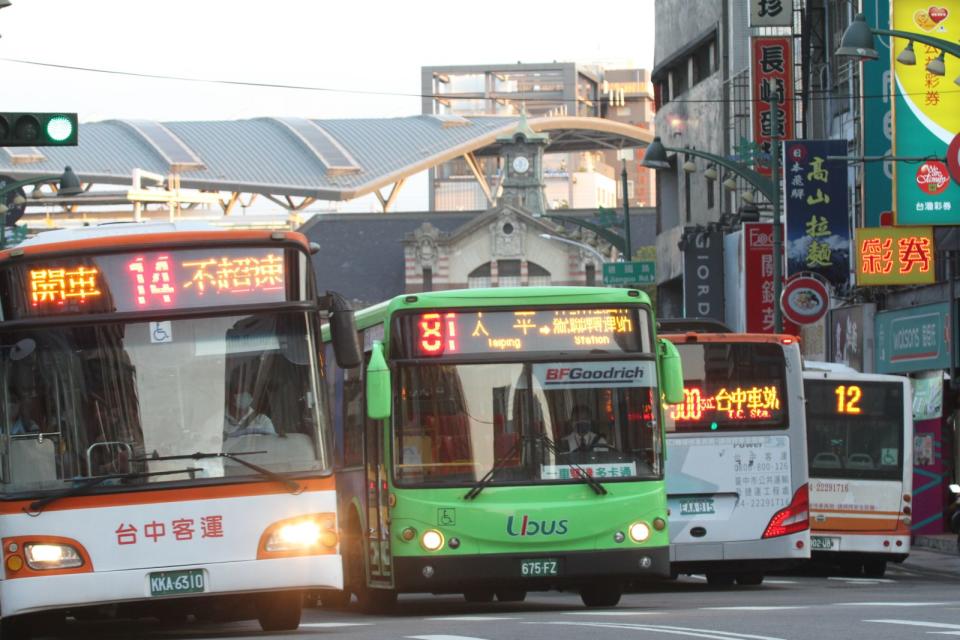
(161, 332)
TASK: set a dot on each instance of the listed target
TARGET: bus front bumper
(66, 591)
(454, 574)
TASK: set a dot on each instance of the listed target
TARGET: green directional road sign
(630, 272)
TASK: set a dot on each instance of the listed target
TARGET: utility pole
(777, 230)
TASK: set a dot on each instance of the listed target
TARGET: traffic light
(38, 129)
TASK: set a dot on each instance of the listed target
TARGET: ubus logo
(933, 177)
(527, 527)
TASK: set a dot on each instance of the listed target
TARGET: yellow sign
(894, 255)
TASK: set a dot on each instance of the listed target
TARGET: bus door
(376, 504)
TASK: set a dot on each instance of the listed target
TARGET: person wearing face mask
(242, 420)
(582, 437)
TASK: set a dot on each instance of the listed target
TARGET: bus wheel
(601, 595)
(511, 595)
(874, 568)
(279, 611)
(15, 628)
(479, 595)
(719, 579)
(750, 579)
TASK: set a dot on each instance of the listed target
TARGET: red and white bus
(737, 456)
(165, 444)
(860, 442)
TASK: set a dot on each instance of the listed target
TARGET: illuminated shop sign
(895, 255)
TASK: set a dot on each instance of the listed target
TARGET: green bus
(499, 441)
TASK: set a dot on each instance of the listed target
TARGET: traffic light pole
(628, 254)
(69, 185)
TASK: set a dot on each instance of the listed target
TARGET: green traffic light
(714, 426)
(59, 128)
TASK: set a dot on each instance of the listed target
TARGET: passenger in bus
(242, 420)
(581, 436)
(19, 424)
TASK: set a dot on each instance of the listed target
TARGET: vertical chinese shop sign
(771, 74)
(818, 227)
(926, 116)
(758, 279)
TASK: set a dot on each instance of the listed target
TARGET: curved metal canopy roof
(324, 159)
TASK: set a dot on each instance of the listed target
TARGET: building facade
(582, 180)
(704, 74)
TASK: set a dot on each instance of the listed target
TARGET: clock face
(521, 164)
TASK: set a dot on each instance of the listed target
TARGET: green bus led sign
(38, 129)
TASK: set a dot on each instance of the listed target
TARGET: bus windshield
(855, 429)
(730, 386)
(84, 401)
(533, 422)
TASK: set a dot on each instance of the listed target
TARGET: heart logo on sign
(937, 14)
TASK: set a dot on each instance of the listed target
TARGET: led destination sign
(457, 333)
(147, 281)
(869, 400)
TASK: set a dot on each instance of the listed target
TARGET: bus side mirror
(671, 372)
(379, 393)
(343, 334)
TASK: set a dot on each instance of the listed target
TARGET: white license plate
(824, 543)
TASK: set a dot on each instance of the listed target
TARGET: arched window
(537, 276)
(480, 277)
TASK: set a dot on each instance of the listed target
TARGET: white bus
(737, 457)
(859, 438)
(164, 447)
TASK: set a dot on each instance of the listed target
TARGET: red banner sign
(771, 74)
(758, 279)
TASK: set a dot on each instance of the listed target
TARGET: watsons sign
(915, 339)
(572, 375)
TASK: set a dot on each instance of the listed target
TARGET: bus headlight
(51, 556)
(298, 536)
(639, 531)
(432, 540)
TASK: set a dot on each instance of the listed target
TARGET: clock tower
(521, 153)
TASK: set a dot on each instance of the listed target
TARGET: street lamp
(656, 158)
(582, 245)
(857, 41)
(69, 186)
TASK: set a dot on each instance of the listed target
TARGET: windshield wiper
(598, 488)
(291, 484)
(488, 476)
(37, 506)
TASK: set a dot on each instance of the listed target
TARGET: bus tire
(601, 595)
(720, 579)
(279, 611)
(511, 595)
(479, 595)
(15, 628)
(750, 579)
(874, 568)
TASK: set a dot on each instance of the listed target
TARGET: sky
(342, 47)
